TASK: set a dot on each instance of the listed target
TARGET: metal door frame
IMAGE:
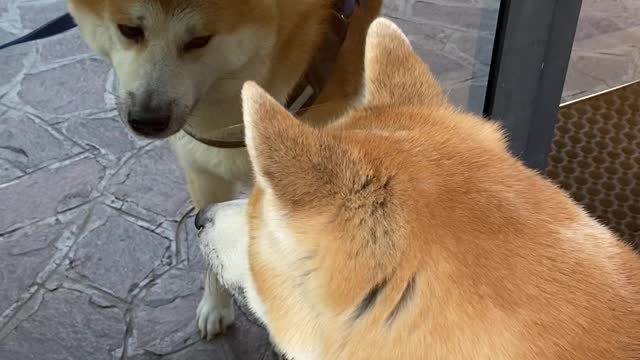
(530, 58)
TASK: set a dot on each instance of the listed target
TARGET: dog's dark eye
(197, 43)
(133, 33)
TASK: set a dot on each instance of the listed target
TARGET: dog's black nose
(205, 216)
(148, 117)
(199, 220)
(149, 124)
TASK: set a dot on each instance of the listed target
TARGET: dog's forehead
(159, 14)
(165, 6)
(150, 13)
(203, 16)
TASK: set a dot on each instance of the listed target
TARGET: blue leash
(53, 27)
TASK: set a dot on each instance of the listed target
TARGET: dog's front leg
(215, 311)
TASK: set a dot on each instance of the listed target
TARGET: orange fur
(473, 255)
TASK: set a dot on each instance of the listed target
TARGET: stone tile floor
(606, 52)
(90, 267)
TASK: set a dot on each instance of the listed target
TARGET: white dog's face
(170, 55)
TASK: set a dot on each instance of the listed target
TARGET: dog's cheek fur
(271, 297)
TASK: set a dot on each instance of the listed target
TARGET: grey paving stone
(164, 323)
(63, 46)
(246, 340)
(243, 341)
(153, 180)
(4, 6)
(469, 95)
(23, 255)
(594, 25)
(17, 134)
(203, 351)
(8, 172)
(118, 254)
(107, 134)
(164, 319)
(35, 14)
(605, 52)
(473, 19)
(48, 192)
(484, 4)
(624, 12)
(443, 65)
(153, 219)
(425, 36)
(608, 68)
(477, 47)
(66, 89)
(12, 60)
(430, 42)
(66, 327)
(394, 8)
(177, 283)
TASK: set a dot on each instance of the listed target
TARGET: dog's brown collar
(315, 77)
(222, 134)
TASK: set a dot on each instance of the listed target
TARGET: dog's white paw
(213, 319)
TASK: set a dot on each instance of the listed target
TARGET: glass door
(506, 59)
(595, 154)
(455, 38)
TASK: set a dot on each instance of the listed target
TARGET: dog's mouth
(149, 130)
(154, 131)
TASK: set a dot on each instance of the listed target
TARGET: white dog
(181, 65)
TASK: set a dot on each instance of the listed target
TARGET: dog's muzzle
(150, 114)
(205, 216)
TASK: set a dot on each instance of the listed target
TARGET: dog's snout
(199, 221)
(149, 117)
(205, 216)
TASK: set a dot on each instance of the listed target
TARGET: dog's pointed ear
(394, 74)
(282, 149)
(306, 167)
(300, 165)
(269, 131)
